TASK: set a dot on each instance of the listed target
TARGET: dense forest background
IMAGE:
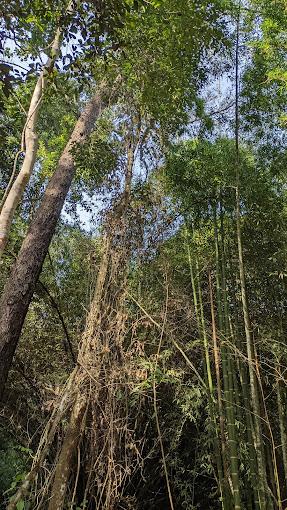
(143, 254)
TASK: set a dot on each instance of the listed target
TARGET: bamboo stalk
(258, 442)
(198, 305)
(227, 368)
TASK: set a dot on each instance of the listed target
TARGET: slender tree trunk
(20, 286)
(14, 191)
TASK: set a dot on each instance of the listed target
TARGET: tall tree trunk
(91, 343)
(20, 286)
(15, 190)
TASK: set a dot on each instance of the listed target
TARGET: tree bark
(15, 190)
(20, 286)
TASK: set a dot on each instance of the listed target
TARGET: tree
(34, 249)
(29, 144)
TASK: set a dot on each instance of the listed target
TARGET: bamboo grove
(143, 255)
